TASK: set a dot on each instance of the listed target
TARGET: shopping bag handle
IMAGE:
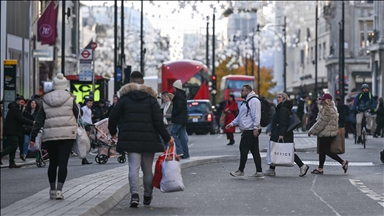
(174, 152)
(281, 140)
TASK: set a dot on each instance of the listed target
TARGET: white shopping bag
(171, 180)
(82, 144)
(280, 154)
(38, 140)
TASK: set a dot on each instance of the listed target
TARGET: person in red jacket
(230, 111)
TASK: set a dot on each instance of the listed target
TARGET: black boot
(85, 162)
(231, 142)
(359, 140)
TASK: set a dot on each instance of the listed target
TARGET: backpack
(265, 111)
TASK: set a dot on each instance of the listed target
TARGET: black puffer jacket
(140, 121)
(280, 122)
(13, 124)
(180, 111)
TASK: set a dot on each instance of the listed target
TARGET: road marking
(338, 164)
(321, 199)
(370, 193)
(221, 135)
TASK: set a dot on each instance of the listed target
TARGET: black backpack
(265, 111)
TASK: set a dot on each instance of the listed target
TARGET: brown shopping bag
(338, 144)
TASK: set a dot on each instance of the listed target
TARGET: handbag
(338, 143)
(82, 143)
(38, 140)
(222, 119)
(294, 122)
(280, 154)
(158, 173)
(171, 180)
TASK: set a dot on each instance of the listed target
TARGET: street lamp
(284, 44)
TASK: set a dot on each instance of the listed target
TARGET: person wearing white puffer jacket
(58, 118)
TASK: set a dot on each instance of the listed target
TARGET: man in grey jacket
(248, 121)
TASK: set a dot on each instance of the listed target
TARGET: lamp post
(115, 51)
(141, 39)
(207, 44)
(316, 57)
(213, 53)
(63, 37)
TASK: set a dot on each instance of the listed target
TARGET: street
(209, 189)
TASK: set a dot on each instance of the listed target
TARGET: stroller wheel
(42, 164)
(121, 159)
(101, 159)
(38, 163)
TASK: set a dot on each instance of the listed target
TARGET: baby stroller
(106, 146)
(41, 155)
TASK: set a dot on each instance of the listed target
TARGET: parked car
(201, 119)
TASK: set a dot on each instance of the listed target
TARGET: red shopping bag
(160, 160)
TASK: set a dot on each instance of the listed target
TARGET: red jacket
(230, 109)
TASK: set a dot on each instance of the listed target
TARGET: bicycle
(364, 134)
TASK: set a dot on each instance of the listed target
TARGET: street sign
(86, 55)
(41, 53)
(93, 45)
(118, 75)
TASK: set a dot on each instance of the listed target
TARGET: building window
(301, 57)
(324, 51)
(366, 33)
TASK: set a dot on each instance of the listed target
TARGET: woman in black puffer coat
(279, 132)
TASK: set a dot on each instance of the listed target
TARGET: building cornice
(335, 60)
(376, 46)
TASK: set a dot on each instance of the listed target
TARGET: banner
(46, 26)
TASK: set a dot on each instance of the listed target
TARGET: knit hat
(177, 84)
(326, 96)
(59, 82)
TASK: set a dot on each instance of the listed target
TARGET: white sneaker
(258, 175)
(59, 195)
(303, 170)
(270, 172)
(237, 173)
(52, 194)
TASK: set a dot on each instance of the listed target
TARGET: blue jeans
(179, 133)
(26, 144)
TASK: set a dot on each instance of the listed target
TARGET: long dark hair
(29, 107)
(231, 96)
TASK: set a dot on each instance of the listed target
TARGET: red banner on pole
(46, 26)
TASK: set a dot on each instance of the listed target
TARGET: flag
(46, 26)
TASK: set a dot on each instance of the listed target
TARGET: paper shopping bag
(280, 154)
(338, 143)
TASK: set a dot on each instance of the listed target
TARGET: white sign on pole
(86, 55)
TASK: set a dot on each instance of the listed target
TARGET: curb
(109, 203)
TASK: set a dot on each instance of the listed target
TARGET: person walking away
(350, 122)
(14, 122)
(58, 118)
(248, 122)
(272, 111)
(363, 104)
(179, 119)
(301, 110)
(140, 123)
(219, 109)
(343, 111)
(379, 119)
(326, 130)
(280, 123)
(30, 113)
(314, 109)
(230, 109)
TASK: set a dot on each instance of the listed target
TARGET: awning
(362, 73)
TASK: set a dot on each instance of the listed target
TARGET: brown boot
(13, 166)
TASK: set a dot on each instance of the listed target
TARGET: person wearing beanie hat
(325, 128)
(179, 119)
(177, 84)
(59, 82)
(58, 118)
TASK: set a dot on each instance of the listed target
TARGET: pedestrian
(314, 109)
(167, 107)
(351, 118)
(87, 111)
(110, 108)
(343, 112)
(363, 105)
(326, 130)
(141, 122)
(30, 113)
(179, 119)
(280, 123)
(248, 122)
(13, 131)
(219, 109)
(230, 109)
(302, 111)
(58, 119)
(272, 111)
(379, 119)
(103, 109)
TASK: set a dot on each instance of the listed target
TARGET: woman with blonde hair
(326, 129)
(279, 131)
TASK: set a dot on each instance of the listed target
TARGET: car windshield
(198, 107)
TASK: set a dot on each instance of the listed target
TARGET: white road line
(337, 163)
(370, 193)
(221, 135)
(321, 199)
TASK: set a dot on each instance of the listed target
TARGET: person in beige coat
(326, 129)
(57, 117)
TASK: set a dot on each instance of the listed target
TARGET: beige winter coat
(60, 122)
(326, 122)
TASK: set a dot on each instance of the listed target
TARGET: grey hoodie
(249, 120)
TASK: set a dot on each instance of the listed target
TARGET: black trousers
(379, 127)
(248, 143)
(325, 149)
(13, 143)
(229, 135)
(59, 152)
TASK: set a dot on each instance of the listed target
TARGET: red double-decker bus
(193, 75)
(232, 84)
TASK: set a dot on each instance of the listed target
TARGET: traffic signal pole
(213, 56)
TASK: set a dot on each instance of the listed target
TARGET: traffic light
(213, 79)
(338, 92)
(346, 88)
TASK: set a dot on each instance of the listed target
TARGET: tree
(230, 65)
